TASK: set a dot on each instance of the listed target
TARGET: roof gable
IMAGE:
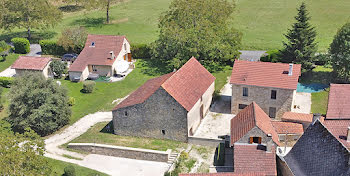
(318, 152)
(189, 83)
(247, 119)
(265, 74)
(339, 102)
(31, 63)
(99, 53)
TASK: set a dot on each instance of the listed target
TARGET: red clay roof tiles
(252, 158)
(247, 119)
(100, 53)
(339, 129)
(31, 63)
(339, 102)
(287, 127)
(224, 174)
(293, 116)
(265, 74)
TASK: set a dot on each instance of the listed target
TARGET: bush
(88, 86)
(140, 51)
(50, 47)
(272, 56)
(22, 45)
(71, 101)
(322, 59)
(6, 82)
(69, 171)
(58, 68)
(4, 46)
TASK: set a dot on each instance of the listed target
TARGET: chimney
(348, 135)
(269, 143)
(290, 72)
(315, 117)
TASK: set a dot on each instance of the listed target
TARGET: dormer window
(92, 44)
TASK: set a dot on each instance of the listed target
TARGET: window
(125, 46)
(163, 132)
(126, 113)
(242, 106)
(245, 92)
(256, 140)
(272, 112)
(94, 68)
(273, 94)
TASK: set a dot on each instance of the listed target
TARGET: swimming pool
(310, 88)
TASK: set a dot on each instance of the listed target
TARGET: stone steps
(172, 158)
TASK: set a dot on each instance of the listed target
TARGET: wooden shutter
(259, 141)
(250, 140)
(124, 57)
(129, 57)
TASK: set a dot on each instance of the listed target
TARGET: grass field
(10, 59)
(58, 169)
(262, 23)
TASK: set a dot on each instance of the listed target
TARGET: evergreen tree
(301, 45)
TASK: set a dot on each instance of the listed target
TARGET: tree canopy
(73, 39)
(37, 103)
(58, 68)
(197, 28)
(28, 14)
(301, 46)
(340, 53)
(22, 154)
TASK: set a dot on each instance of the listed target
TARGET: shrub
(6, 82)
(58, 68)
(4, 46)
(69, 171)
(22, 45)
(140, 51)
(51, 47)
(88, 86)
(71, 101)
(322, 59)
(272, 56)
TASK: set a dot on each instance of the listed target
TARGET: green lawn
(95, 135)
(262, 22)
(319, 102)
(221, 78)
(10, 59)
(58, 169)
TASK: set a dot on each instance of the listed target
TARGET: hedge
(140, 51)
(50, 47)
(272, 56)
(22, 45)
(6, 82)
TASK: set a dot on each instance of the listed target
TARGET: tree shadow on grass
(90, 22)
(108, 128)
(322, 77)
(71, 8)
(153, 67)
(36, 36)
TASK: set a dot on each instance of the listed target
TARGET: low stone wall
(205, 141)
(123, 152)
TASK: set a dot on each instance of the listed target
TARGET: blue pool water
(310, 88)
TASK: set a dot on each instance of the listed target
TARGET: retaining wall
(205, 141)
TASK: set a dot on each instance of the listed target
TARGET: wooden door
(129, 57)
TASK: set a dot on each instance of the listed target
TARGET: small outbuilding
(32, 64)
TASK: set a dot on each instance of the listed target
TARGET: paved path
(302, 103)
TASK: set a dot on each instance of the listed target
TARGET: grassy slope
(58, 169)
(8, 62)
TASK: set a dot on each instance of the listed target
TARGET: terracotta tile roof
(293, 116)
(99, 54)
(247, 119)
(339, 129)
(287, 127)
(339, 102)
(31, 63)
(143, 92)
(265, 74)
(223, 174)
(189, 83)
(254, 158)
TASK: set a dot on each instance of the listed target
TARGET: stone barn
(167, 107)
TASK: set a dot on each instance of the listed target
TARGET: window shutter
(250, 140)
(259, 141)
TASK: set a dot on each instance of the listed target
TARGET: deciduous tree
(73, 39)
(37, 103)
(301, 46)
(58, 68)
(340, 53)
(28, 14)
(197, 28)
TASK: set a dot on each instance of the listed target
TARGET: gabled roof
(339, 129)
(318, 152)
(294, 116)
(254, 158)
(189, 83)
(247, 119)
(265, 74)
(31, 63)
(186, 86)
(144, 92)
(287, 127)
(99, 54)
(339, 102)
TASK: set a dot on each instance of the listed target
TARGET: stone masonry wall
(159, 112)
(254, 132)
(262, 96)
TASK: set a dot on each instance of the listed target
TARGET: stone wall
(254, 132)
(205, 141)
(123, 152)
(262, 96)
(148, 119)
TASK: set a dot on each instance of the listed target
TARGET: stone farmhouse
(32, 64)
(167, 107)
(271, 85)
(104, 55)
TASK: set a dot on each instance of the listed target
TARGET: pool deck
(302, 103)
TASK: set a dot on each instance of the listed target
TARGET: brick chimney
(348, 135)
(290, 71)
(315, 117)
